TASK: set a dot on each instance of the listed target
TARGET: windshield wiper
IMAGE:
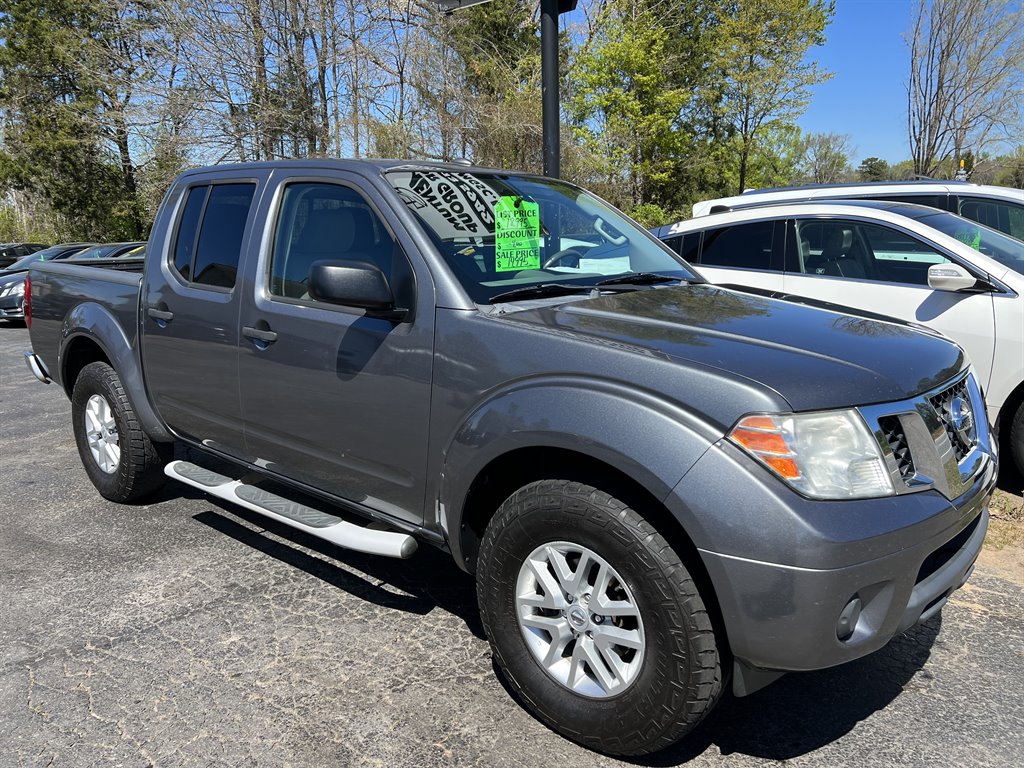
(640, 278)
(541, 291)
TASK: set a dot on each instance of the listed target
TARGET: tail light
(28, 301)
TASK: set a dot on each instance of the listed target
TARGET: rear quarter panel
(70, 299)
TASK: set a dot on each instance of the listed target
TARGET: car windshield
(1002, 248)
(44, 255)
(96, 252)
(501, 232)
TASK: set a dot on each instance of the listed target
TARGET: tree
(67, 72)
(762, 61)
(826, 158)
(873, 169)
(966, 81)
(625, 107)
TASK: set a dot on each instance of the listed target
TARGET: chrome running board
(306, 519)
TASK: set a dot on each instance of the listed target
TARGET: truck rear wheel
(594, 620)
(120, 459)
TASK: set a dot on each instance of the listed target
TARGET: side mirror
(354, 284)
(950, 277)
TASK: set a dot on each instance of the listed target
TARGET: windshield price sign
(516, 235)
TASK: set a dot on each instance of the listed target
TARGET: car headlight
(15, 289)
(829, 455)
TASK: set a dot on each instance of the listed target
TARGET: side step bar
(306, 519)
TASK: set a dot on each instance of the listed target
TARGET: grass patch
(1006, 526)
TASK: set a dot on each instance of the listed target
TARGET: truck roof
(380, 165)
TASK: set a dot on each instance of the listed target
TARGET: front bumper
(10, 310)
(833, 581)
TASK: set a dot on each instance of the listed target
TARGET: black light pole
(550, 10)
(550, 123)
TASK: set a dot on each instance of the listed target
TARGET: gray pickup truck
(661, 486)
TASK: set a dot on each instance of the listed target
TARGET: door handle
(258, 334)
(160, 314)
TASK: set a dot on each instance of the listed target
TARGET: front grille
(892, 430)
(942, 403)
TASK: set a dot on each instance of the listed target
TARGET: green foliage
(53, 97)
(1012, 173)
(873, 169)
(764, 77)
(653, 215)
(626, 109)
(492, 39)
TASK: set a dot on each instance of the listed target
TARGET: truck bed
(97, 285)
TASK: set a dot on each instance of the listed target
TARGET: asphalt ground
(186, 632)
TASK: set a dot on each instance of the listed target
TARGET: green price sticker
(516, 235)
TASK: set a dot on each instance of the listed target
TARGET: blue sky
(867, 97)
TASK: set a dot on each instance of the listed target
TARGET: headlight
(829, 455)
(13, 290)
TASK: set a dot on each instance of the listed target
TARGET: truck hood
(814, 358)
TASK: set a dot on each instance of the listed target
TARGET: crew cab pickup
(660, 485)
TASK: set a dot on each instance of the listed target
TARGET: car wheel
(120, 459)
(1017, 440)
(594, 620)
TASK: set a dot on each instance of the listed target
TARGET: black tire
(679, 680)
(1014, 441)
(139, 471)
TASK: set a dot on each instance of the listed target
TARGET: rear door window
(741, 246)
(997, 214)
(208, 244)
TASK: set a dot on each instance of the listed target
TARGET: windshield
(44, 255)
(499, 232)
(1006, 250)
(96, 252)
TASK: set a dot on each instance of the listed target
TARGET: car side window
(861, 251)
(686, 245)
(741, 246)
(208, 244)
(188, 229)
(997, 214)
(325, 222)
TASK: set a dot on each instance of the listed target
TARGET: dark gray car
(661, 486)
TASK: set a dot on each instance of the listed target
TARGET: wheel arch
(510, 471)
(92, 334)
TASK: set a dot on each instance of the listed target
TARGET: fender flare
(96, 323)
(642, 435)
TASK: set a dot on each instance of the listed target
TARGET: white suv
(1001, 208)
(921, 265)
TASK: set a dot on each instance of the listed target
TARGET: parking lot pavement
(188, 633)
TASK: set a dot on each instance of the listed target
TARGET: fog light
(848, 619)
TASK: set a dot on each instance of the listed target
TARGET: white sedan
(906, 261)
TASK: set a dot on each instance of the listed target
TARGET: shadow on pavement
(427, 580)
(805, 711)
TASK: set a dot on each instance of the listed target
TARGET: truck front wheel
(594, 620)
(120, 459)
